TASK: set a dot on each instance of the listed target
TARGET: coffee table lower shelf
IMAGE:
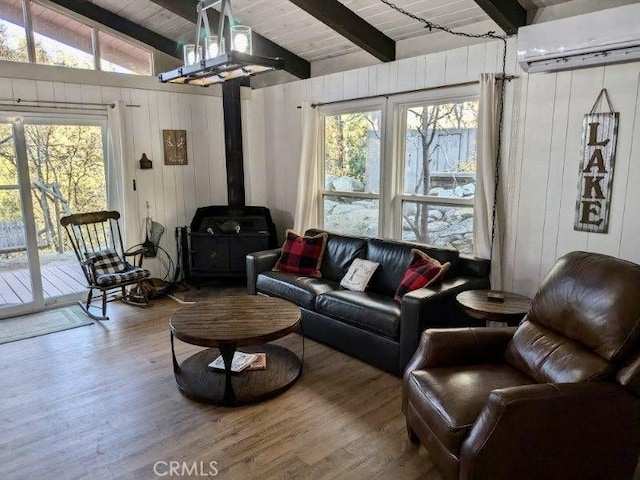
(199, 382)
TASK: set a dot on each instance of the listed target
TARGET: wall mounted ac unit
(606, 36)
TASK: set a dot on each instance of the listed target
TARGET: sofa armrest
(258, 262)
(575, 430)
(432, 307)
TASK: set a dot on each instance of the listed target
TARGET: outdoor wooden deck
(15, 285)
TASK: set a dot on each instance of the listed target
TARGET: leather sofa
(370, 325)
(556, 398)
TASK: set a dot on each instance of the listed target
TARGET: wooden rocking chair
(97, 243)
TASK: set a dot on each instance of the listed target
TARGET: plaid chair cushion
(421, 272)
(106, 262)
(302, 255)
(128, 276)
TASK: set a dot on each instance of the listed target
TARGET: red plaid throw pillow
(422, 271)
(302, 255)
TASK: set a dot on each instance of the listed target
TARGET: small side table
(476, 304)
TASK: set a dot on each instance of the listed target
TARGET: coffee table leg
(227, 352)
(176, 366)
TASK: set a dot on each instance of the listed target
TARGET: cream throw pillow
(359, 274)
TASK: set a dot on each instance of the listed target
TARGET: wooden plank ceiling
(296, 26)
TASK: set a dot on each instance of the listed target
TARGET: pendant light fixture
(212, 61)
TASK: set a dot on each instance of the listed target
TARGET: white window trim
(392, 152)
(356, 106)
(398, 105)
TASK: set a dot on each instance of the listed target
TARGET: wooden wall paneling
(44, 90)
(133, 225)
(456, 66)
(350, 84)
(493, 56)
(475, 61)
(585, 87)
(293, 116)
(156, 154)
(407, 68)
(363, 82)
(178, 122)
(108, 94)
(25, 89)
(507, 187)
(381, 81)
(90, 94)
(255, 170)
(556, 166)
(436, 65)
(216, 157)
(334, 87)
(269, 147)
(60, 92)
(621, 82)
(512, 62)
(188, 170)
(393, 77)
(165, 122)
(535, 167)
(141, 136)
(631, 226)
(512, 179)
(317, 89)
(281, 212)
(201, 166)
(6, 88)
(421, 72)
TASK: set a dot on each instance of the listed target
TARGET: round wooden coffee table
(231, 323)
(476, 304)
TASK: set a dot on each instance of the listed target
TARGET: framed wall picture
(175, 147)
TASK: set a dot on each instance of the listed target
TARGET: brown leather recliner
(556, 398)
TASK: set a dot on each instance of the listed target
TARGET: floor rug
(34, 325)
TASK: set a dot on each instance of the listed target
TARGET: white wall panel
(541, 143)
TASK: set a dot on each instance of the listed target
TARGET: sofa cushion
(339, 253)
(302, 255)
(421, 272)
(394, 258)
(370, 311)
(358, 276)
(450, 399)
(298, 289)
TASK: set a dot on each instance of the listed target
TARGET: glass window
(440, 165)
(117, 55)
(351, 146)
(13, 36)
(61, 40)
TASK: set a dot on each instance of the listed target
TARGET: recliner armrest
(583, 430)
(446, 347)
(258, 262)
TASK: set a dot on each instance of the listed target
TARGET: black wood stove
(220, 237)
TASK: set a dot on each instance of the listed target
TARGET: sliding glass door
(48, 169)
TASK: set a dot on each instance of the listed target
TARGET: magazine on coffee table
(260, 363)
(240, 361)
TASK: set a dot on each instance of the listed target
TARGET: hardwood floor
(101, 402)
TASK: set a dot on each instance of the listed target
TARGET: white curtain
(118, 166)
(306, 215)
(488, 120)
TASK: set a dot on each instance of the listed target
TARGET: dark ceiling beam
(122, 25)
(261, 46)
(351, 26)
(508, 14)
